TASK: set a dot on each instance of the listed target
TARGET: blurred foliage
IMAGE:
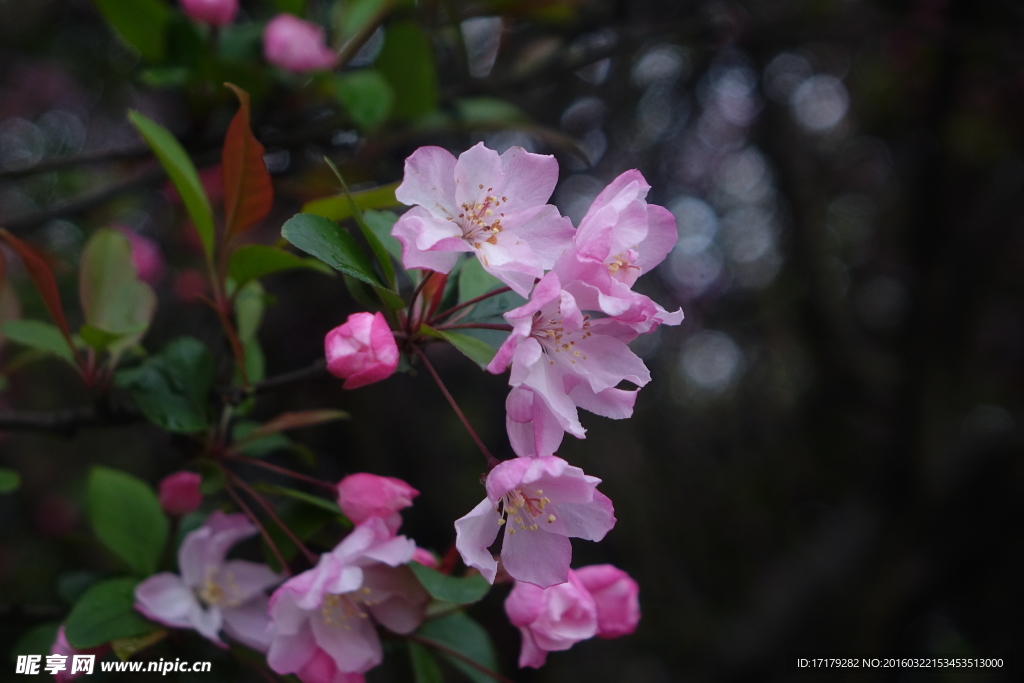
(828, 459)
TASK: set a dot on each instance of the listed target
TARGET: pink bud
(179, 493)
(552, 618)
(61, 646)
(616, 595)
(296, 45)
(212, 12)
(146, 257)
(424, 557)
(362, 351)
(364, 495)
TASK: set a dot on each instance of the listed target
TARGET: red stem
(475, 300)
(412, 301)
(492, 462)
(281, 470)
(311, 556)
(476, 326)
(263, 531)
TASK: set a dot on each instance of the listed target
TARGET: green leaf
(379, 252)
(171, 387)
(295, 420)
(463, 591)
(72, 585)
(407, 61)
(424, 666)
(488, 110)
(259, 447)
(296, 7)
(302, 496)
(124, 648)
(464, 635)
(118, 306)
(182, 173)
(478, 351)
(9, 480)
(126, 516)
(37, 640)
(322, 238)
(354, 14)
(39, 335)
(139, 23)
(338, 207)
(249, 307)
(381, 222)
(254, 261)
(366, 95)
(104, 613)
(475, 281)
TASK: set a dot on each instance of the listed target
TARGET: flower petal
(166, 599)
(429, 181)
(536, 556)
(529, 178)
(474, 534)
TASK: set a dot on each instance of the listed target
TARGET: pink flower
(296, 45)
(212, 593)
(424, 557)
(620, 238)
(491, 206)
(212, 12)
(616, 595)
(362, 351)
(146, 257)
(364, 495)
(61, 646)
(550, 619)
(562, 360)
(179, 493)
(541, 502)
(322, 669)
(323, 614)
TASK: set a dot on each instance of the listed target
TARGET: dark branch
(68, 421)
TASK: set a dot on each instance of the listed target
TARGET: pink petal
(474, 534)
(531, 655)
(589, 521)
(249, 624)
(477, 174)
(353, 649)
(536, 556)
(396, 599)
(241, 580)
(529, 178)
(662, 236)
(407, 231)
(616, 404)
(548, 233)
(166, 599)
(288, 653)
(429, 181)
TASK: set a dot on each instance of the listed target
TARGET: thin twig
(255, 520)
(492, 462)
(477, 326)
(68, 421)
(280, 470)
(269, 509)
(57, 163)
(238, 394)
(352, 46)
(475, 300)
(440, 647)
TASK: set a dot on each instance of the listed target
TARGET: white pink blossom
(364, 495)
(362, 350)
(296, 45)
(212, 593)
(325, 613)
(541, 502)
(551, 619)
(488, 205)
(561, 360)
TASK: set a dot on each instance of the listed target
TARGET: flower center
(623, 261)
(219, 589)
(478, 221)
(553, 338)
(336, 610)
(524, 510)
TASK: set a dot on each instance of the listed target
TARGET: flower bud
(179, 493)
(146, 257)
(212, 12)
(296, 45)
(362, 351)
(616, 595)
(364, 495)
(424, 557)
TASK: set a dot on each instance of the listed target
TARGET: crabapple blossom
(615, 594)
(212, 12)
(541, 502)
(296, 45)
(179, 493)
(365, 495)
(362, 350)
(61, 646)
(561, 360)
(321, 618)
(212, 593)
(552, 618)
(620, 238)
(489, 205)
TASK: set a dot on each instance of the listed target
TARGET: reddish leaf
(248, 192)
(42, 276)
(304, 418)
(432, 293)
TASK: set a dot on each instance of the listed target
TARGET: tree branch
(69, 420)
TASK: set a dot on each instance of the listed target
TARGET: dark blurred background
(829, 457)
